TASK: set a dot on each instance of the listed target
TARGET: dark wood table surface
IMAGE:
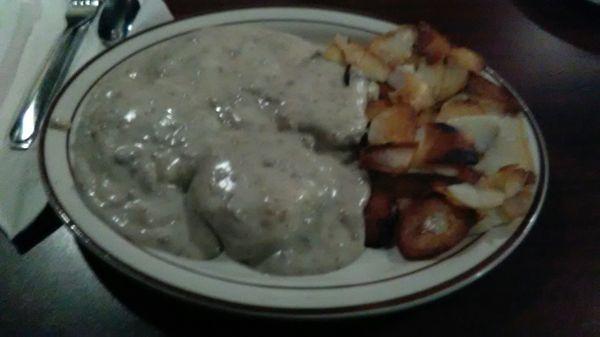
(550, 286)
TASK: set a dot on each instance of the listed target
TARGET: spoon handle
(37, 103)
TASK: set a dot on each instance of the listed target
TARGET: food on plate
(459, 162)
(431, 226)
(394, 124)
(230, 138)
(291, 157)
(299, 214)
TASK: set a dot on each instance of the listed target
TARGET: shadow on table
(42, 227)
(576, 22)
(489, 307)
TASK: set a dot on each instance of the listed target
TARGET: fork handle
(34, 109)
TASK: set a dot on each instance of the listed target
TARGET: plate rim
(402, 302)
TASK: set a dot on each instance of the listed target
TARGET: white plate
(379, 281)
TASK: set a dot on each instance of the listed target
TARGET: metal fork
(36, 105)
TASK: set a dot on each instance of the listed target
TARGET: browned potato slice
(370, 65)
(511, 146)
(374, 108)
(432, 74)
(379, 217)
(430, 227)
(426, 116)
(466, 59)
(396, 124)
(459, 106)
(406, 185)
(414, 92)
(334, 54)
(396, 46)
(390, 158)
(481, 129)
(385, 90)
(510, 179)
(454, 80)
(460, 173)
(471, 196)
(480, 87)
(431, 44)
(445, 145)
(468, 174)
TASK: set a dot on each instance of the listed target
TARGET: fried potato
(426, 116)
(445, 145)
(385, 90)
(406, 185)
(518, 205)
(454, 80)
(511, 146)
(379, 217)
(482, 88)
(414, 92)
(458, 106)
(431, 44)
(396, 124)
(374, 108)
(466, 59)
(370, 65)
(510, 179)
(334, 54)
(430, 227)
(481, 129)
(389, 158)
(459, 173)
(395, 47)
(471, 196)
(432, 74)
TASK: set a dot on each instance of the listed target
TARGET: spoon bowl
(116, 19)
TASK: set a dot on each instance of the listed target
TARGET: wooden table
(549, 287)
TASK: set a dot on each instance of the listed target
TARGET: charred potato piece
(431, 44)
(379, 217)
(384, 91)
(483, 130)
(469, 175)
(459, 173)
(444, 145)
(389, 158)
(431, 226)
(396, 124)
(406, 185)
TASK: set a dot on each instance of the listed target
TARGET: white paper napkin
(28, 29)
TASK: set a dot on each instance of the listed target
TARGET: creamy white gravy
(229, 138)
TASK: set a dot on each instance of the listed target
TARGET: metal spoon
(115, 20)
